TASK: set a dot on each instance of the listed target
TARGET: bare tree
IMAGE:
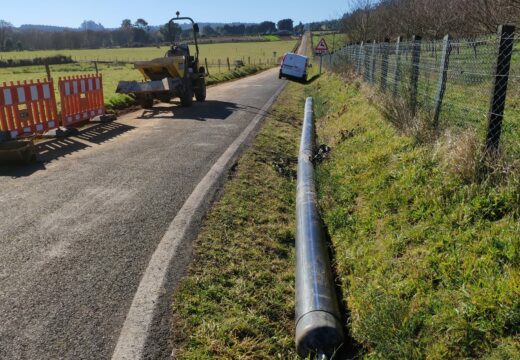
(486, 15)
(430, 19)
(359, 22)
(5, 30)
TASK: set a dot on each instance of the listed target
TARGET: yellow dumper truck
(177, 75)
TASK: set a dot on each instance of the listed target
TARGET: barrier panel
(81, 98)
(27, 108)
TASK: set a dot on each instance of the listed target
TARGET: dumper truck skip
(177, 75)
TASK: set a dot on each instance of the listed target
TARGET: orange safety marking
(81, 98)
(27, 108)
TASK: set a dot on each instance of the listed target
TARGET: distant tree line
(132, 34)
(377, 20)
(329, 25)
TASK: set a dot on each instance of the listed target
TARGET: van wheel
(280, 75)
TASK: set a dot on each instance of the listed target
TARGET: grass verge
(429, 260)
(237, 300)
(236, 74)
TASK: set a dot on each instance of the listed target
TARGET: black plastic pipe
(318, 325)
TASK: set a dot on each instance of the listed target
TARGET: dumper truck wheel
(146, 102)
(187, 95)
(200, 91)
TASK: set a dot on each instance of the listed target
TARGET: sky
(110, 13)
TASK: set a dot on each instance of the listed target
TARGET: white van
(294, 66)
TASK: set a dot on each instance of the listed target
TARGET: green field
(258, 53)
(333, 41)
(112, 74)
(428, 259)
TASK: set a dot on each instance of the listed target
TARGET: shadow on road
(200, 111)
(100, 133)
(50, 150)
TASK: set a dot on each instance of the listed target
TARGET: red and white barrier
(81, 98)
(27, 108)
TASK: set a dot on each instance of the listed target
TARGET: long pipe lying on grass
(318, 325)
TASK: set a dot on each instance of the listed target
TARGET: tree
(140, 31)
(5, 31)
(234, 29)
(267, 27)
(286, 24)
(141, 24)
(91, 25)
(125, 34)
(487, 15)
(359, 22)
(209, 31)
(126, 24)
(172, 33)
(300, 28)
(9, 45)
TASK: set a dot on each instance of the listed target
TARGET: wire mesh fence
(467, 84)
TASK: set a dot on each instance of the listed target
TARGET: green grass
(430, 263)
(466, 101)
(112, 74)
(236, 73)
(259, 54)
(213, 52)
(271, 37)
(237, 301)
(333, 41)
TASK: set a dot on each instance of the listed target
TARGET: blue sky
(111, 12)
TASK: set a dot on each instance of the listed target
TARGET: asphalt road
(78, 229)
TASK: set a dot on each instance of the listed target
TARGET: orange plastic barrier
(27, 108)
(81, 98)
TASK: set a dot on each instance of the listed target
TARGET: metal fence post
(367, 64)
(397, 74)
(354, 51)
(48, 70)
(373, 63)
(443, 77)
(506, 34)
(384, 65)
(414, 79)
(361, 58)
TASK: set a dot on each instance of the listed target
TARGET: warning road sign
(322, 47)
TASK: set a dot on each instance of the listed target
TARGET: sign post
(322, 49)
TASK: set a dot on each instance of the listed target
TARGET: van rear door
(294, 66)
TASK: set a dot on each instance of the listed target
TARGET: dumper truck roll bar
(195, 27)
(176, 75)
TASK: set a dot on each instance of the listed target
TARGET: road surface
(79, 229)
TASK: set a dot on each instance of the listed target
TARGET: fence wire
(459, 83)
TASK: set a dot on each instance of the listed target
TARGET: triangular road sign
(322, 47)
